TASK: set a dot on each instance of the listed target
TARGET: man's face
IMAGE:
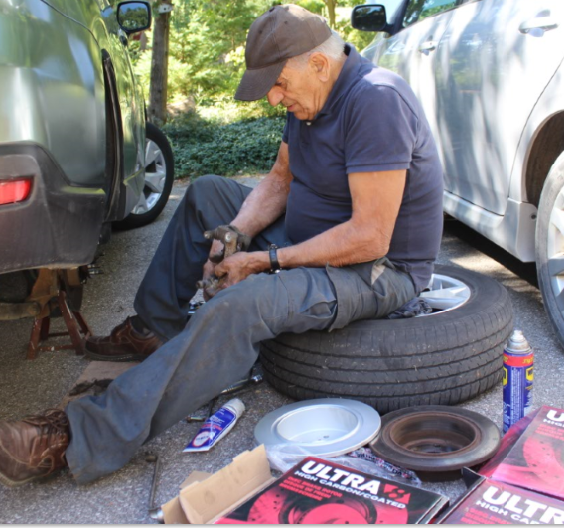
(300, 89)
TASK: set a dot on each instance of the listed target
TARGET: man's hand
(239, 266)
(216, 254)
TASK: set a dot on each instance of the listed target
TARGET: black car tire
(15, 287)
(549, 246)
(441, 359)
(139, 219)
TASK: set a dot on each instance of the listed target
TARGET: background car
(490, 78)
(76, 153)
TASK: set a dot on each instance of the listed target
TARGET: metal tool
(202, 417)
(194, 306)
(233, 241)
(254, 377)
(155, 512)
(242, 384)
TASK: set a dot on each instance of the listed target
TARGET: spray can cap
(517, 336)
(517, 343)
(237, 405)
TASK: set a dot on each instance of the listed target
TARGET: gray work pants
(220, 343)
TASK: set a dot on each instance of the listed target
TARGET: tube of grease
(217, 426)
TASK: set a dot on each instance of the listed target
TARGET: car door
(495, 59)
(411, 52)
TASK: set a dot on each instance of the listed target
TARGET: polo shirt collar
(347, 77)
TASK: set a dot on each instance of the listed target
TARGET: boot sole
(15, 483)
(118, 359)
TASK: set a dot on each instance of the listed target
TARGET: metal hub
(155, 178)
(555, 249)
(445, 293)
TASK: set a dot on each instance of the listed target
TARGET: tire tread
(443, 359)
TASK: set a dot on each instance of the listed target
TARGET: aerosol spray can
(517, 379)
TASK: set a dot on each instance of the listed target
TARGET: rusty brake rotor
(436, 439)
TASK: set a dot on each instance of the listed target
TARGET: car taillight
(14, 191)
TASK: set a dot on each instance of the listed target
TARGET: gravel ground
(31, 386)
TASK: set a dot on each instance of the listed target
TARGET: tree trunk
(143, 41)
(331, 4)
(159, 67)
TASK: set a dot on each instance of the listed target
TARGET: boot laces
(51, 423)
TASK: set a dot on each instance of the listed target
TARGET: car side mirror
(134, 16)
(369, 18)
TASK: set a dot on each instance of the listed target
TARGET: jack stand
(75, 325)
(74, 321)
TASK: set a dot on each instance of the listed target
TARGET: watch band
(274, 264)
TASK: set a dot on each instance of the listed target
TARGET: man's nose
(274, 96)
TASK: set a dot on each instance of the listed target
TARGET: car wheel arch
(114, 139)
(548, 144)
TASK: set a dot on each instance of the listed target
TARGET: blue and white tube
(216, 426)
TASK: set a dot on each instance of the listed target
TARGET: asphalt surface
(32, 386)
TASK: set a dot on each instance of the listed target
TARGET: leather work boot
(123, 344)
(33, 448)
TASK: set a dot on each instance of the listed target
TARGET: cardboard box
(536, 460)
(206, 498)
(491, 502)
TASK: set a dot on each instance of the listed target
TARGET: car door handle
(428, 46)
(541, 24)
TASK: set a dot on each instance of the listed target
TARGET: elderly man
(346, 226)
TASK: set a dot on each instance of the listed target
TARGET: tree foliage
(212, 133)
(206, 47)
(209, 147)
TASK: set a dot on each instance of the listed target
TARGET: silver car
(490, 77)
(74, 155)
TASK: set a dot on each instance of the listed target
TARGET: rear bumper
(58, 226)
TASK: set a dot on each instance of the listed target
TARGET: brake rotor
(435, 440)
(326, 427)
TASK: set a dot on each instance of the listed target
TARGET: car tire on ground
(443, 358)
(549, 246)
(159, 177)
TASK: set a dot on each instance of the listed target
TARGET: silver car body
(490, 77)
(65, 77)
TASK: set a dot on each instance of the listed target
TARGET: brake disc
(436, 439)
(325, 427)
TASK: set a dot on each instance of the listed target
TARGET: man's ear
(320, 65)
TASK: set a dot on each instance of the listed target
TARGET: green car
(76, 153)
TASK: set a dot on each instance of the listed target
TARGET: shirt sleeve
(381, 130)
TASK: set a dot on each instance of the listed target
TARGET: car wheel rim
(555, 249)
(445, 293)
(155, 178)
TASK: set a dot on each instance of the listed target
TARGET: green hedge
(208, 147)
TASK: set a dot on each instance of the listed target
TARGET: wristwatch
(274, 264)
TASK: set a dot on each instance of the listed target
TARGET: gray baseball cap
(283, 32)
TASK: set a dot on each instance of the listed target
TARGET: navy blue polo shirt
(371, 121)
